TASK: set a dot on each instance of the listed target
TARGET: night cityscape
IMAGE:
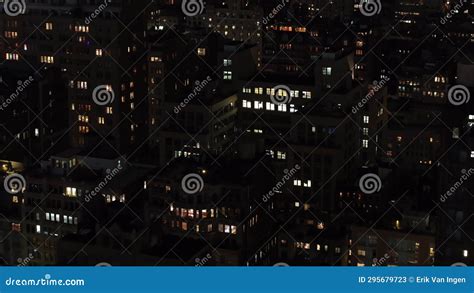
(236, 133)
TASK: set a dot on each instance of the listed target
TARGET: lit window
(82, 85)
(465, 253)
(227, 62)
(361, 252)
(38, 229)
(81, 29)
(98, 52)
(47, 59)
(71, 192)
(246, 104)
(101, 120)
(270, 106)
(365, 143)
(365, 131)
(201, 51)
(327, 70)
(366, 119)
(49, 26)
(227, 75)
(257, 105)
(11, 35)
(12, 56)
(109, 110)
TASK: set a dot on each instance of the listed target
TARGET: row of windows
(258, 105)
(57, 218)
(223, 228)
(271, 92)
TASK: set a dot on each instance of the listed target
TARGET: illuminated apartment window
(99, 52)
(81, 29)
(233, 229)
(472, 154)
(257, 105)
(281, 108)
(12, 56)
(227, 75)
(82, 85)
(365, 143)
(270, 106)
(71, 192)
(227, 62)
(101, 120)
(38, 229)
(16, 227)
(306, 95)
(109, 110)
(327, 71)
(49, 26)
(281, 155)
(83, 118)
(361, 252)
(155, 59)
(465, 253)
(365, 131)
(246, 104)
(15, 199)
(47, 59)
(297, 182)
(11, 35)
(366, 119)
(201, 51)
